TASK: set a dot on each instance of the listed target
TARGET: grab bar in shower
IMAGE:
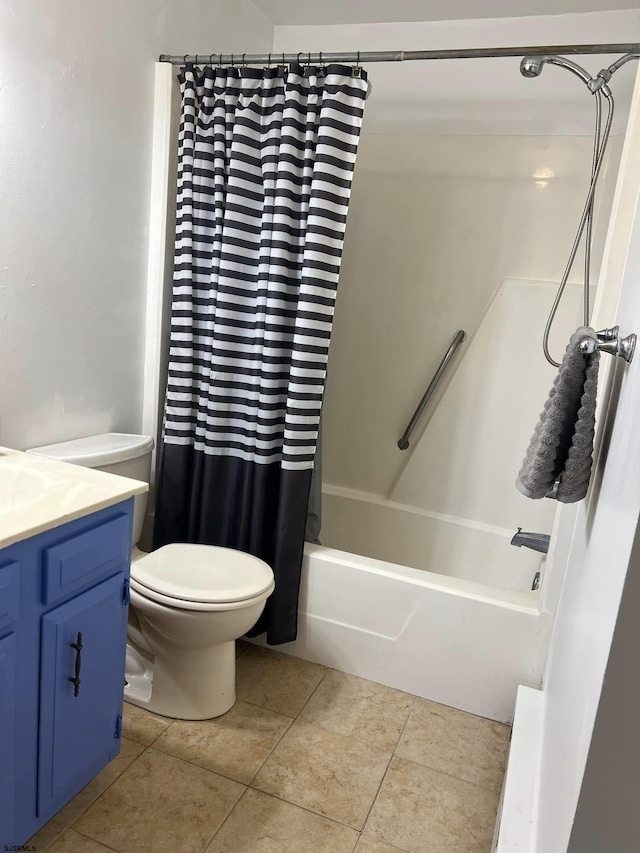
(458, 338)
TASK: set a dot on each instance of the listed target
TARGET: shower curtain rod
(357, 57)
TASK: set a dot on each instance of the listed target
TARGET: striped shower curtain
(266, 160)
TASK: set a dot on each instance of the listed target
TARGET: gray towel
(561, 448)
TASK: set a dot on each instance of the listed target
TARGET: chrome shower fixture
(604, 75)
(531, 66)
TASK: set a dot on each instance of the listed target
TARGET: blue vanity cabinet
(63, 625)
(79, 719)
(7, 727)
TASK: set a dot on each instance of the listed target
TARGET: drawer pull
(78, 647)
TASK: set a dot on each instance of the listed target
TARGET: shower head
(531, 66)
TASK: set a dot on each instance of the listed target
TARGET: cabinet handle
(78, 647)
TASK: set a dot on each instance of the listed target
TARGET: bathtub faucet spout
(535, 541)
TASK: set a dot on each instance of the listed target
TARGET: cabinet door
(7, 728)
(79, 723)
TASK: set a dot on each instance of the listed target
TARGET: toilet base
(138, 676)
(193, 684)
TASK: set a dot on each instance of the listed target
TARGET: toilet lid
(203, 573)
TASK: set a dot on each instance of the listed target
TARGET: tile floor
(309, 760)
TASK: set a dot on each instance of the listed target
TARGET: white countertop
(37, 494)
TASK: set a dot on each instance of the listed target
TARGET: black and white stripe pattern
(266, 162)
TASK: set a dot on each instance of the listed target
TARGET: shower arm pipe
(594, 84)
(368, 56)
(605, 74)
(458, 338)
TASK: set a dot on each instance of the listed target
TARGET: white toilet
(190, 603)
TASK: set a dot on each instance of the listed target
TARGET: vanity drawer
(9, 593)
(72, 563)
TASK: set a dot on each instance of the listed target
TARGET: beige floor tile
(370, 845)
(331, 774)
(359, 708)
(420, 809)
(129, 751)
(160, 803)
(457, 743)
(275, 681)
(73, 842)
(262, 824)
(142, 726)
(45, 836)
(235, 744)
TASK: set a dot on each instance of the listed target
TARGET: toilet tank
(113, 452)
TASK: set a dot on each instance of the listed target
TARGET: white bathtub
(434, 631)
(366, 524)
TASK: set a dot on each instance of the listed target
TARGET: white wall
(358, 11)
(481, 95)
(76, 99)
(607, 817)
(605, 528)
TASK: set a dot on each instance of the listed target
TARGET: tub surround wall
(76, 101)
(473, 445)
(436, 225)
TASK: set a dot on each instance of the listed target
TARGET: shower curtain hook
(309, 58)
(357, 69)
(220, 60)
(233, 64)
(185, 59)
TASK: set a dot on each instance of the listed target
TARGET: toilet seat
(201, 577)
